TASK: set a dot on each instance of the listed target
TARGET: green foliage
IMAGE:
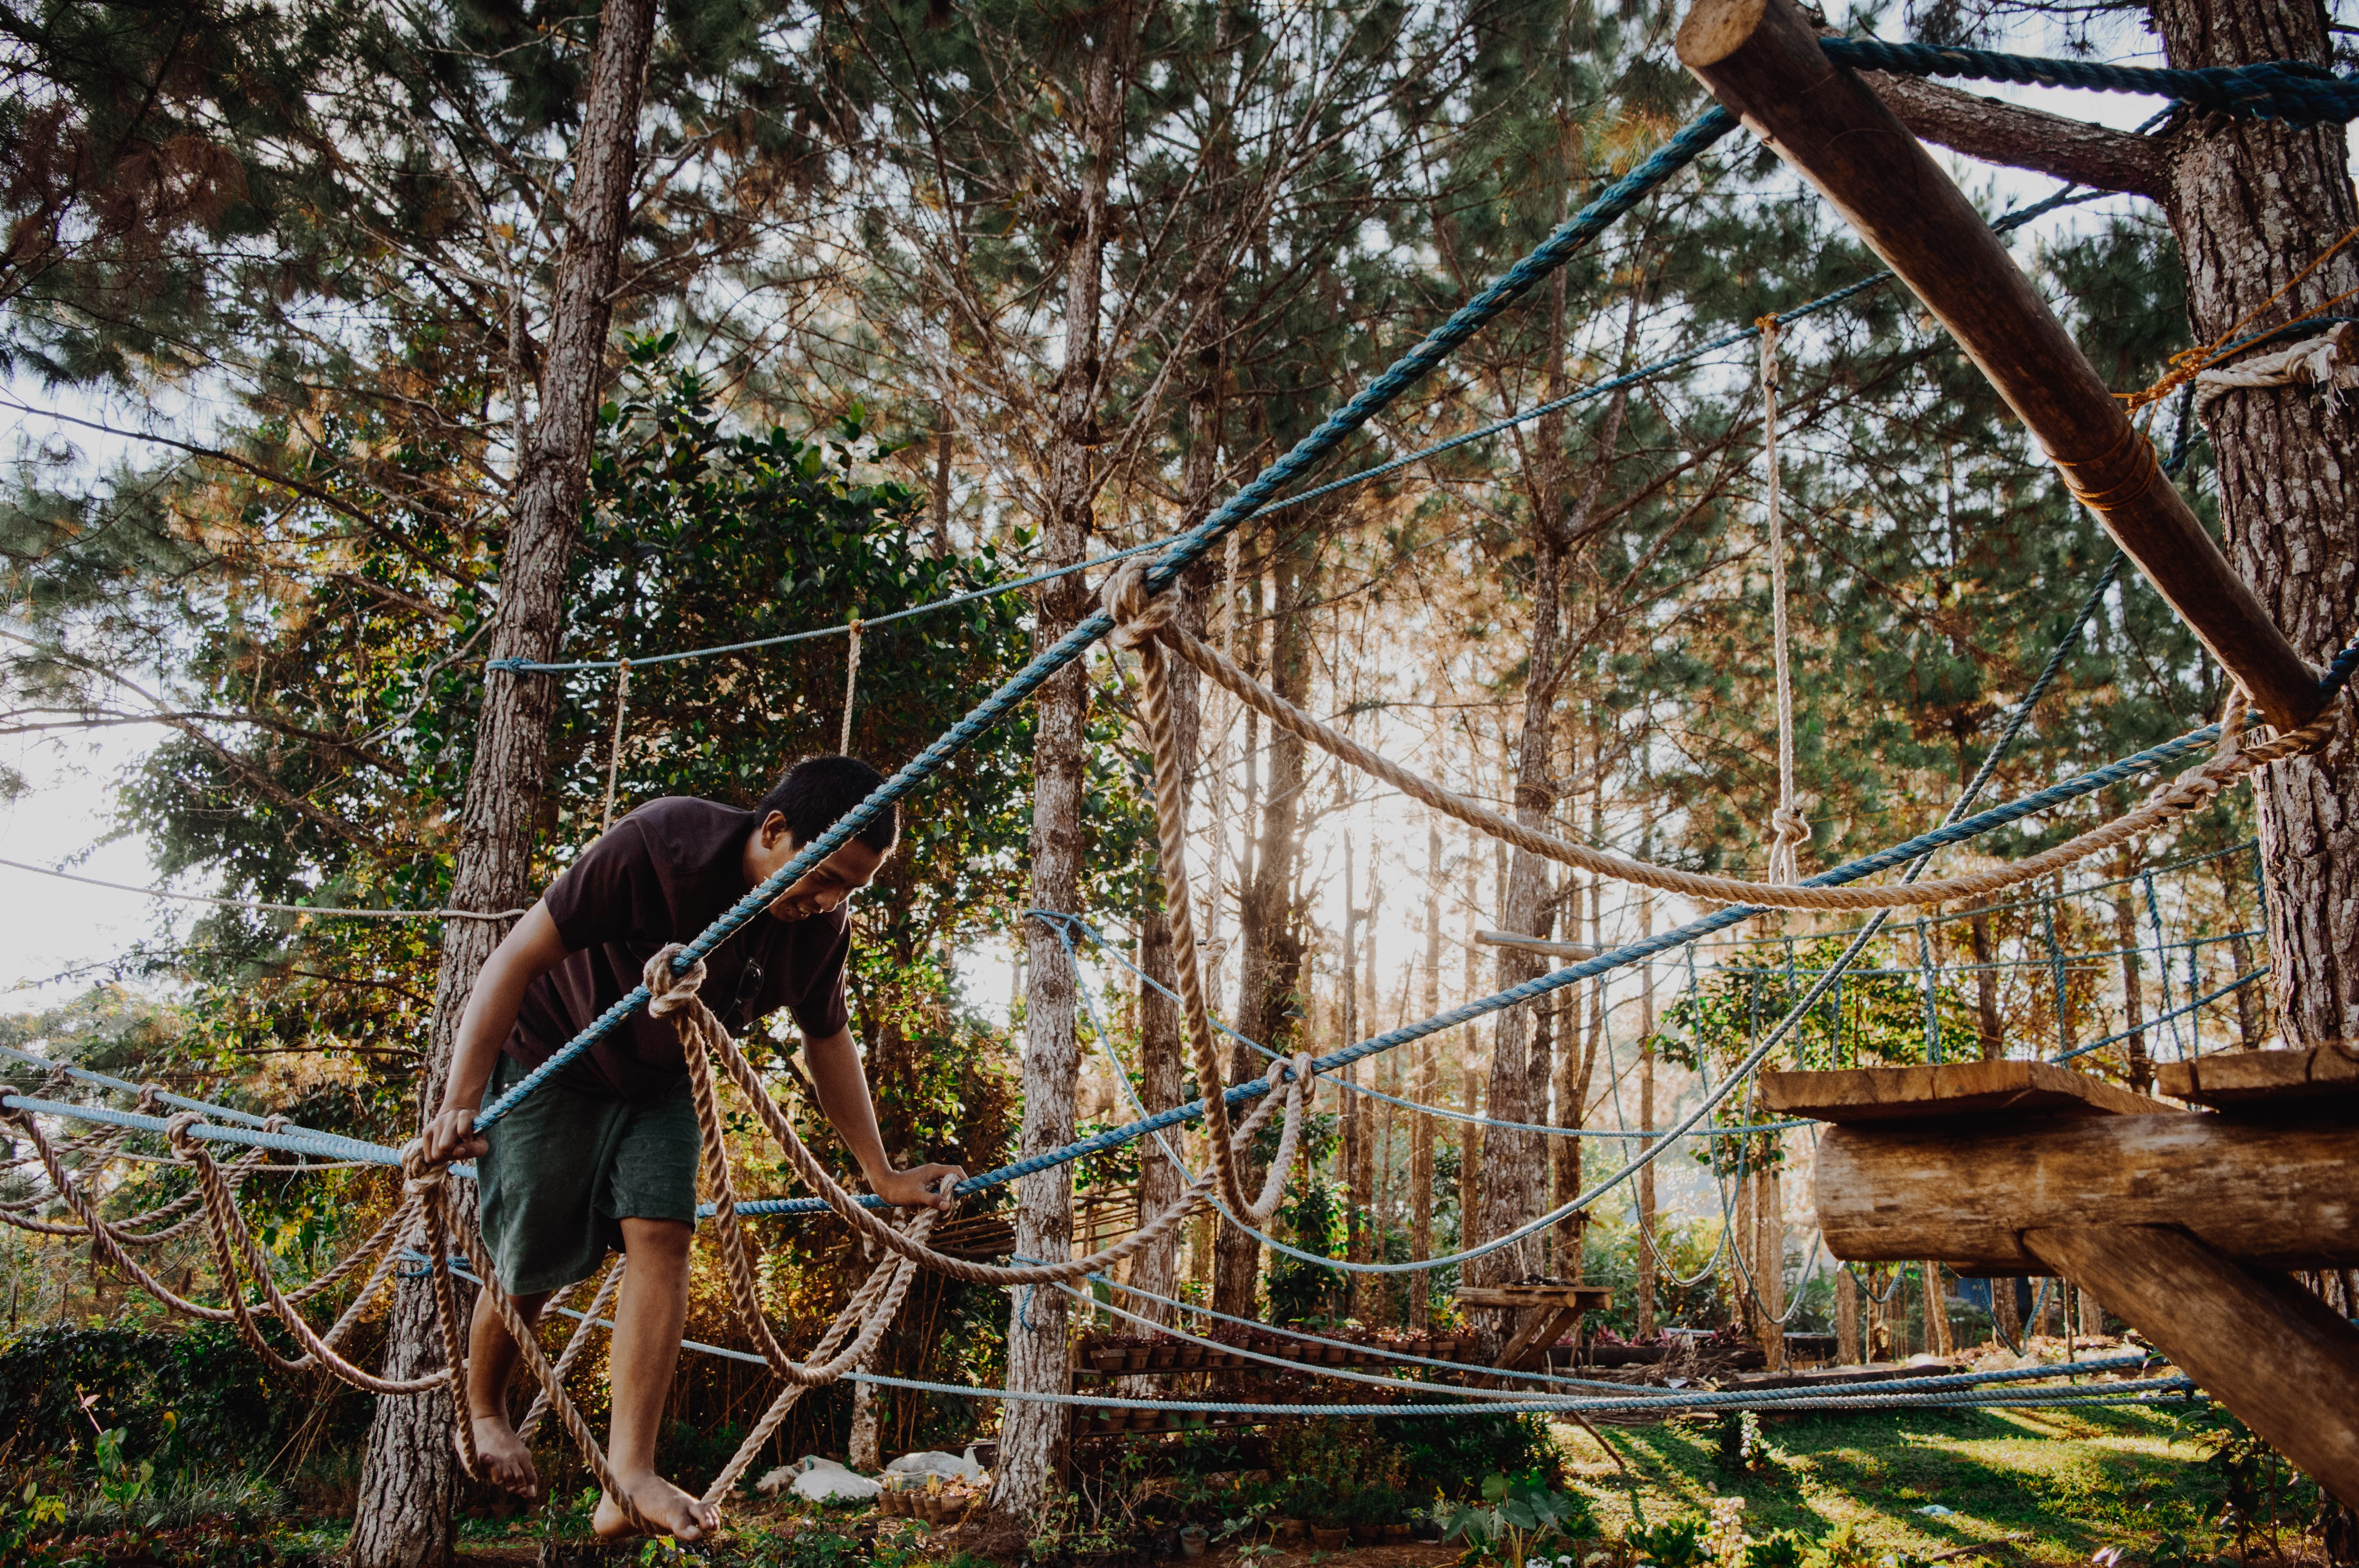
(1450, 1451)
(1876, 1015)
(24, 1515)
(167, 1400)
(1675, 1543)
(1518, 1511)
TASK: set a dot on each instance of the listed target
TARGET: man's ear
(774, 828)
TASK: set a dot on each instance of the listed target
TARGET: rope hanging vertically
(851, 685)
(1789, 829)
(614, 747)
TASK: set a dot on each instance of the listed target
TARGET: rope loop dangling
(671, 991)
(1137, 614)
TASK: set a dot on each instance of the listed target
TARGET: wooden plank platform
(1550, 1312)
(2233, 1080)
(1865, 1096)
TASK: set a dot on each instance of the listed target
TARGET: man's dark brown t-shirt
(660, 875)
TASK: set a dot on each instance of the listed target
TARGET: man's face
(822, 887)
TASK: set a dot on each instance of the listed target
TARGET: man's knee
(658, 1242)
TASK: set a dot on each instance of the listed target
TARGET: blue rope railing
(1559, 248)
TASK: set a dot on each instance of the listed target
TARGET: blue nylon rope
(1569, 238)
(1915, 849)
(2270, 89)
(2067, 197)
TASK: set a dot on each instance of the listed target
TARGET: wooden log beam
(1761, 58)
(2275, 1193)
(2260, 1344)
(1575, 950)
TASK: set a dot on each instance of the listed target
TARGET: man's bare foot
(681, 1517)
(502, 1458)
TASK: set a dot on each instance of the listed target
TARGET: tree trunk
(1355, 1129)
(1993, 1035)
(1420, 1146)
(2252, 203)
(1515, 1172)
(1032, 1436)
(1769, 1259)
(410, 1477)
(2125, 939)
(1646, 1263)
(1270, 965)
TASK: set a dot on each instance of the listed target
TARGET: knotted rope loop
(418, 1174)
(175, 1134)
(1138, 616)
(670, 991)
(15, 1114)
(150, 1100)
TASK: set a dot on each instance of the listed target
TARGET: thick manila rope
(1789, 829)
(894, 1271)
(232, 1243)
(574, 1343)
(857, 1311)
(675, 996)
(2188, 792)
(1138, 617)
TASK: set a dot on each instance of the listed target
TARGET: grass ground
(2067, 1483)
(2074, 1481)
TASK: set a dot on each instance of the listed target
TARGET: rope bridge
(1137, 614)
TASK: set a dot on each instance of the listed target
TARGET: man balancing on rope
(603, 1156)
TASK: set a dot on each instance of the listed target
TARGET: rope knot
(150, 1101)
(176, 1132)
(16, 1115)
(671, 991)
(417, 1174)
(1137, 614)
(1789, 831)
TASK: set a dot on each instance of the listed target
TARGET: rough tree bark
(1515, 1171)
(1032, 1436)
(1269, 964)
(409, 1476)
(2252, 202)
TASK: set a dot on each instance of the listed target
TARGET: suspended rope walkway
(1137, 614)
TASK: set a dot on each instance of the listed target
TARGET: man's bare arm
(528, 951)
(842, 1089)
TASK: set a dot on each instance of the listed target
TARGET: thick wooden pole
(2262, 1346)
(1762, 59)
(2274, 1193)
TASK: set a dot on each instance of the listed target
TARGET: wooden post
(2269, 1350)
(1761, 58)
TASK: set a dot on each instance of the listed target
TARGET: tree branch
(1997, 132)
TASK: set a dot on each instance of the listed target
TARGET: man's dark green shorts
(566, 1168)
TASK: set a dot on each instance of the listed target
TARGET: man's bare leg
(491, 1362)
(647, 1322)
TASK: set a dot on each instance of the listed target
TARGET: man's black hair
(818, 791)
